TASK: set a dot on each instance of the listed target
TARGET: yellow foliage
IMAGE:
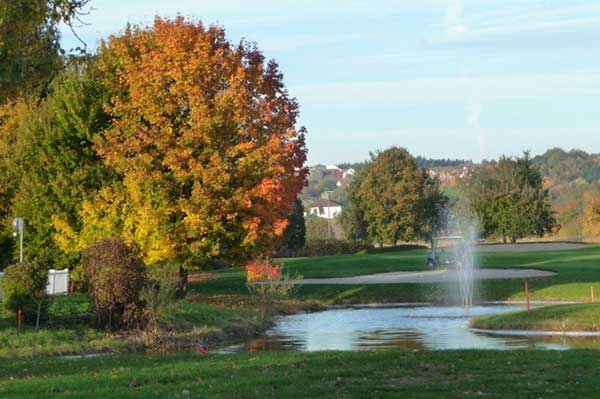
(590, 218)
(132, 211)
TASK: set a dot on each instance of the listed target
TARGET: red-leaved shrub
(115, 273)
(260, 270)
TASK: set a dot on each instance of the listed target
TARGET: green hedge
(331, 246)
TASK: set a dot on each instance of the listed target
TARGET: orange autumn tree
(210, 125)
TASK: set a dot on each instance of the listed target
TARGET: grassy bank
(387, 374)
(577, 270)
(576, 317)
(70, 330)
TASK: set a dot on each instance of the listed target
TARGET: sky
(468, 79)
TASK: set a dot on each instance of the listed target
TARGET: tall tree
(205, 131)
(509, 199)
(352, 218)
(52, 164)
(397, 199)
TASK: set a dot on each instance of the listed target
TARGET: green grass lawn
(357, 264)
(70, 328)
(385, 374)
(577, 270)
(575, 317)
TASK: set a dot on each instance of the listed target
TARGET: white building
(347, 173)
(324, 208)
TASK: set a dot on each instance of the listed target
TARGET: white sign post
(18, 229)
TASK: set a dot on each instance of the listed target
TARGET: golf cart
(443, 257)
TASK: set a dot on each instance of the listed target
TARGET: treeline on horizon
(571, 177)
(554, 162)
(423, 162)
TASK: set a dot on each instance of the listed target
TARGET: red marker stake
(592, 293)
(19, 320)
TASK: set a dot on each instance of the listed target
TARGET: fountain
(465, 268)
(459, 260)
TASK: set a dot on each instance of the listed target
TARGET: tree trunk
(182, 283)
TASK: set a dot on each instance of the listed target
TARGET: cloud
(509, 19)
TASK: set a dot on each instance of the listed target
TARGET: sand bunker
(433, 276)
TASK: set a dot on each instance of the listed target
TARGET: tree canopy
(50, 165)
(509, 199)
(393, 199)
(203, 134)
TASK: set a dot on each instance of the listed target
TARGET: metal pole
(21, 228)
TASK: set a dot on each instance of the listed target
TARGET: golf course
(34, 363)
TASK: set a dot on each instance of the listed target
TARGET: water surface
(420, 327)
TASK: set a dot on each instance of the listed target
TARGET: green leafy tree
(52, 164)
(509, 199)
(24, 288)
(398, 198)
(352, 218)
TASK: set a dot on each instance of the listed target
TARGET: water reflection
(425, 327)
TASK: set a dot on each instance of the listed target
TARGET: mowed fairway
(577, 270)
(386, 374)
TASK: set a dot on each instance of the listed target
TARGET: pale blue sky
(443, 78)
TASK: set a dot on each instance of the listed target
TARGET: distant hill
(564, 167)
(573, 178)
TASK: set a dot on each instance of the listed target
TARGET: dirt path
(434, 276)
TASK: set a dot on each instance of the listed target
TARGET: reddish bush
(259, 270)
(115, 274)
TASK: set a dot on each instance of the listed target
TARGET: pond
(407, 327)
